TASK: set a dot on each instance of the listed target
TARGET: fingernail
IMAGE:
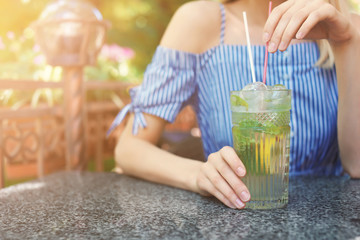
(245, 196)
(265, 37)
(241, 171)
(282, 46)
(272, 47)
(239, 203)
(232, 206)
(299, 35)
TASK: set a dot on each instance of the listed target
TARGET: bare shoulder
(195, 27)
(355, 18)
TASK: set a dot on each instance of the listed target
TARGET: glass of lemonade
(261, 138)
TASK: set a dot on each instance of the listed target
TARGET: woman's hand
(310, 19)
(221, 176)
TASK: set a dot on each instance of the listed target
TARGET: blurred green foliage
(355, 4)
(136, 24)
(137, 27)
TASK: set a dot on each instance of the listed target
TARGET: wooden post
(40, 155)
(74, 114)
(99, 141)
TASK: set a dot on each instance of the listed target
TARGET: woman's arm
(347, 60)
(138, 156)
(317, 19)
(220, 176)
(192, 28)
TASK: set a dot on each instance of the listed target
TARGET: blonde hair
(326, 58)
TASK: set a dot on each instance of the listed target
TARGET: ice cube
(280, 98)
(250, 91)
(278, 87)
(268, 94)
(279, 94)
(249, 95)
(281, 103)
(256, 86)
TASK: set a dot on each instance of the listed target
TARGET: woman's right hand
(221, 177)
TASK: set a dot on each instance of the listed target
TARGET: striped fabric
(175, 79)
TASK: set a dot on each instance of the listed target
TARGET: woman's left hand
(306, 19)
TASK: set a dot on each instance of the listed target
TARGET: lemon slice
(265, 152)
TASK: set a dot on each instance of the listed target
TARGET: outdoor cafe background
(136, 29)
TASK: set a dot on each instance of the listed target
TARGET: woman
(202, 57)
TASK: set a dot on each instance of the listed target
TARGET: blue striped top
(175, 79)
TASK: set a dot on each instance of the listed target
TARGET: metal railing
(36, 135)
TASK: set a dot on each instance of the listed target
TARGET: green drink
(260, 118)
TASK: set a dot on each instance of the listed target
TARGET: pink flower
(116, 53)
(10, 35)
(2, 45)
(36, 48)
(128, 53)
(39, 59)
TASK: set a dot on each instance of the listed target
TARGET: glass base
(267, 204)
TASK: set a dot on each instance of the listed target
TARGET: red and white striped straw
(266, 51)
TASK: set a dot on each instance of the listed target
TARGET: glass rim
(267, 90)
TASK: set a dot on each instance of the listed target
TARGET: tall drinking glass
(261, 139)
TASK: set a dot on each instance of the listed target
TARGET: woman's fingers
(291, 20)
(292, 28)
(297, 21)
(276, 37)
(221, 176)
(223, 187)
(230, 156)
(206, 183)
(233, 180)
(313, 19)
(274, 19)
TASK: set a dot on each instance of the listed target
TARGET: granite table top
(84, 205)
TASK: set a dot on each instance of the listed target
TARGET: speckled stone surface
(83, 205)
